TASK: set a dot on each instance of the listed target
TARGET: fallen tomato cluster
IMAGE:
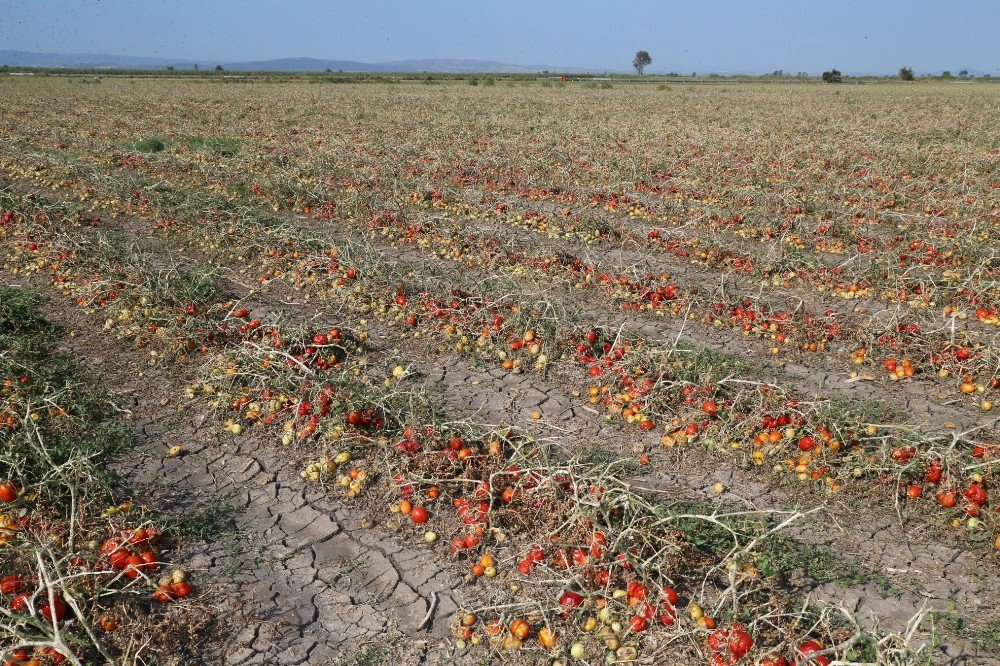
(66, 566)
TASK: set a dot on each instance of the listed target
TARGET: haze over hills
(438, 65)
(104, 60)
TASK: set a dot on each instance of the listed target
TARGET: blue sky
(875, 36)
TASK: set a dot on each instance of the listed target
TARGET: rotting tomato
(638, 624)
(946, 498)
(976, 494)
(8, 492)
(520, 629)
(181, 590)
(11, 584)
(19, 603)
(570, 600)
(811, 647)
(740, 642)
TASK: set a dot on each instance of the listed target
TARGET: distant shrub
(473, 81)
(152, 145)
(489, 81)
(833, 76)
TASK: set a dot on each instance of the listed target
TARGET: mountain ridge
(301, 64)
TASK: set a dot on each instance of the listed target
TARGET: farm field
(403, 373)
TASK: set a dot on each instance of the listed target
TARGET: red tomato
(718, 640)
(19, 603)
(946, 499)
(637, 590)
(637, 623)
(132, 565)
(57, 608)
(976, 494)
(139, 537)
(11, 584)
(8, 492)
(740, 642)
(667, 617)
(570, 599)
(118, 559)
(811, 647)
(598, 544)
(181, 590)
(419, 515)
(110, 546)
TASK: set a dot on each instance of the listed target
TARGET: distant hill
(444, 65)
(107, 61)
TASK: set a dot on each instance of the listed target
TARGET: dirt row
(811, 372)
(922, 408)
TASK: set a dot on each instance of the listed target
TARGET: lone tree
(833, 76)
(642, 59)
(906, 73)
(218, 68)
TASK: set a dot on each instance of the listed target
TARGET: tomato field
(362, 373)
